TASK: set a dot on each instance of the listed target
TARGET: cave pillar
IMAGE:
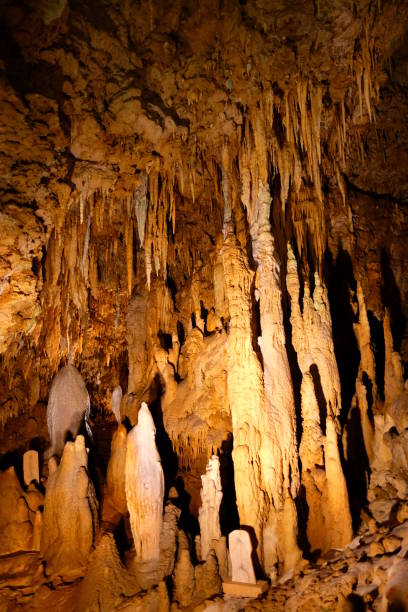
(313, 342)
(245, 390)
(278, 452)
(262, 406)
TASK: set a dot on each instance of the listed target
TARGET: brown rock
(70, 515)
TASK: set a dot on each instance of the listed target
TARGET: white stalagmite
(144, 489)
(313, 342)
(240, 550)
(209, 513)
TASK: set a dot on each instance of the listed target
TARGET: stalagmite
(209, 513)
(16, 530)
(68, 530)
(114, 500)
(366, 373)
(312, 340)
(311, 453)
(30, 467)
(68, 404)
(240, 549)
(168, 539)
(144, 492)
(184, 579)
(393, 374)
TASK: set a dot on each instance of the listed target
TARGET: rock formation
(68, 404)
(168, 539)
(114, 501)
(144, 486)
(209, 513)
(240, 550)
(70, 515)
(116, 401)
(322, 473)
(16, 528)
(30, 467)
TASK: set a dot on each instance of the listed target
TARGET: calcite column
(264, 454)
(278, 453)
(313, 342)
(245, 386)
(144, 491)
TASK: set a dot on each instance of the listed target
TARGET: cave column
(245, 389)
(325, 483)
(278, 453)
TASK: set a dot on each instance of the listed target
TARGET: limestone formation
(168, 540)
(70, 515)
(209, 513)
(30, 467)
(16, 530)
(324, 481)
(68, 404)
(107, 583)
(114, 503)
(184, 577)
(207, 579)
(240, 550)
(144, 486)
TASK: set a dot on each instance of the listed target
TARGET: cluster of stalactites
(191, 447)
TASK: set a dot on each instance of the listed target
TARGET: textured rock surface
(144, 487)
(209, 513)
(15, 525)
(68, 404)
(70, 514)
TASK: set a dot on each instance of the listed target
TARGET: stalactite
(129, 255)
(84, 261)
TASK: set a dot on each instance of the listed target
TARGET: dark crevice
(391, 298)
(321, 400)
(340, 281)
(356, 468)
(377, 341)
